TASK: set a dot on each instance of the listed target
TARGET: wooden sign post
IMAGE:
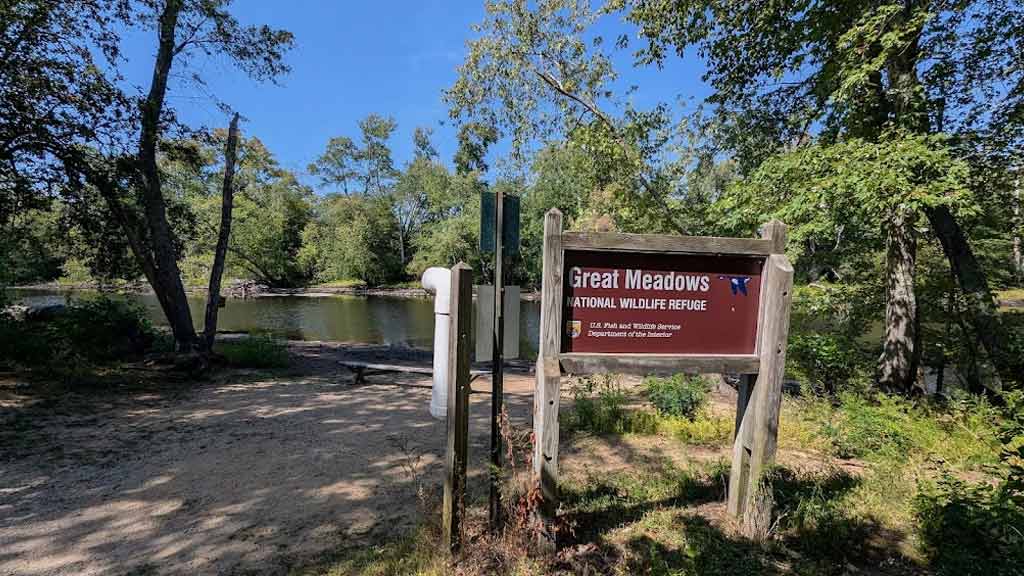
(652, 304)
(461, 318)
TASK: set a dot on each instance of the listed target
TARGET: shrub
(968, 529)
(598, 405)
(826, 363)
(827, 351)
(256, 351)
(681, 396)
(95, 330)
(104, 329)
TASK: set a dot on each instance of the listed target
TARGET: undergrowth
(254, 351)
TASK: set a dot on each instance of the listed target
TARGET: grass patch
(892, 511)
(255, 351)
(415, 554)
(602, 406)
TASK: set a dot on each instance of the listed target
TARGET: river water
(364, 319)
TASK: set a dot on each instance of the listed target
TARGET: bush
(968, 529)
(104, 329)
(681, 396)
(599, 406)
(257, 351)
(95, 330)
(827, 350)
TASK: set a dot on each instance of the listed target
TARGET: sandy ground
(245, 474)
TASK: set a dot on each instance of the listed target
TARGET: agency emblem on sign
(575, 327)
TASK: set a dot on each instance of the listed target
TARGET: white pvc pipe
(439, 282)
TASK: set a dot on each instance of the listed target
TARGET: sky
(354, 58)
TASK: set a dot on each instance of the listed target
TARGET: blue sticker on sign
(738, 284)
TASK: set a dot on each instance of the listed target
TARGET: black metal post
(498, 362)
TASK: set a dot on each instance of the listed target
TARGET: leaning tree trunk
(166, 276)
(910, 111)
(981, 308)
(896, 365)
(223, 237)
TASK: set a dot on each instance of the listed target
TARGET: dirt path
(248, 474)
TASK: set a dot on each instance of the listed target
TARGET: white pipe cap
(438, 281)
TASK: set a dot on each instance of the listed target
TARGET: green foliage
(813, 512)
(681, 396)
(104, 329)
(972, 529)
(828, 351)
(254, 351)
(32, 248)
(271, 211)
(89, 331)
(867, 427)
(984, 519)
(599, 405)
(352, 237)
(838, 198)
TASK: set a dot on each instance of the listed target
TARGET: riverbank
(315, 291)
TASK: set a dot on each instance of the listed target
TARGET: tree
(270, 210)
(857, 196)
(474, 141)
(223, 236)
(423, 146)
(421, 179)
(539, 72)
(101, 139)
(858, 70)
(378, 168)
(53, 94)
(337, 165)
(352, 237)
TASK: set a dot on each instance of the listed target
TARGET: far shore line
(308, 292)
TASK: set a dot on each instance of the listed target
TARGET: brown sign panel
(618, 301)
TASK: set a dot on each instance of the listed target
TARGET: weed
(681, 396)
(598, 405)
(261, 351)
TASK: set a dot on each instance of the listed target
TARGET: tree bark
(910, 112)
(896, 366)
(223, 237)
(981, 307)
(166, 277)
(1018, 224)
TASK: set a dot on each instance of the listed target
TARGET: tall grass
(255, 351)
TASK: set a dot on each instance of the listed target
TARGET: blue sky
(390, 57)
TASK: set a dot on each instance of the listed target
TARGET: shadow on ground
(251, 472)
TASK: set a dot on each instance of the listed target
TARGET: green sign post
(499, 234)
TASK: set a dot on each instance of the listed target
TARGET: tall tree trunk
(223, 237)
(981, 307)
(1018, 225)
(166, 277)
(910, 112)
(896, 369)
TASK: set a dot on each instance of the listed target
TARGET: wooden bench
(364, 369)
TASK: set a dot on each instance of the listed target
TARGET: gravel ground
(249, 473)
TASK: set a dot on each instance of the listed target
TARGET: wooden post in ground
(546, 393)
(758, 408)
(461, 318)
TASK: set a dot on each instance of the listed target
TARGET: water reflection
(364, 319)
